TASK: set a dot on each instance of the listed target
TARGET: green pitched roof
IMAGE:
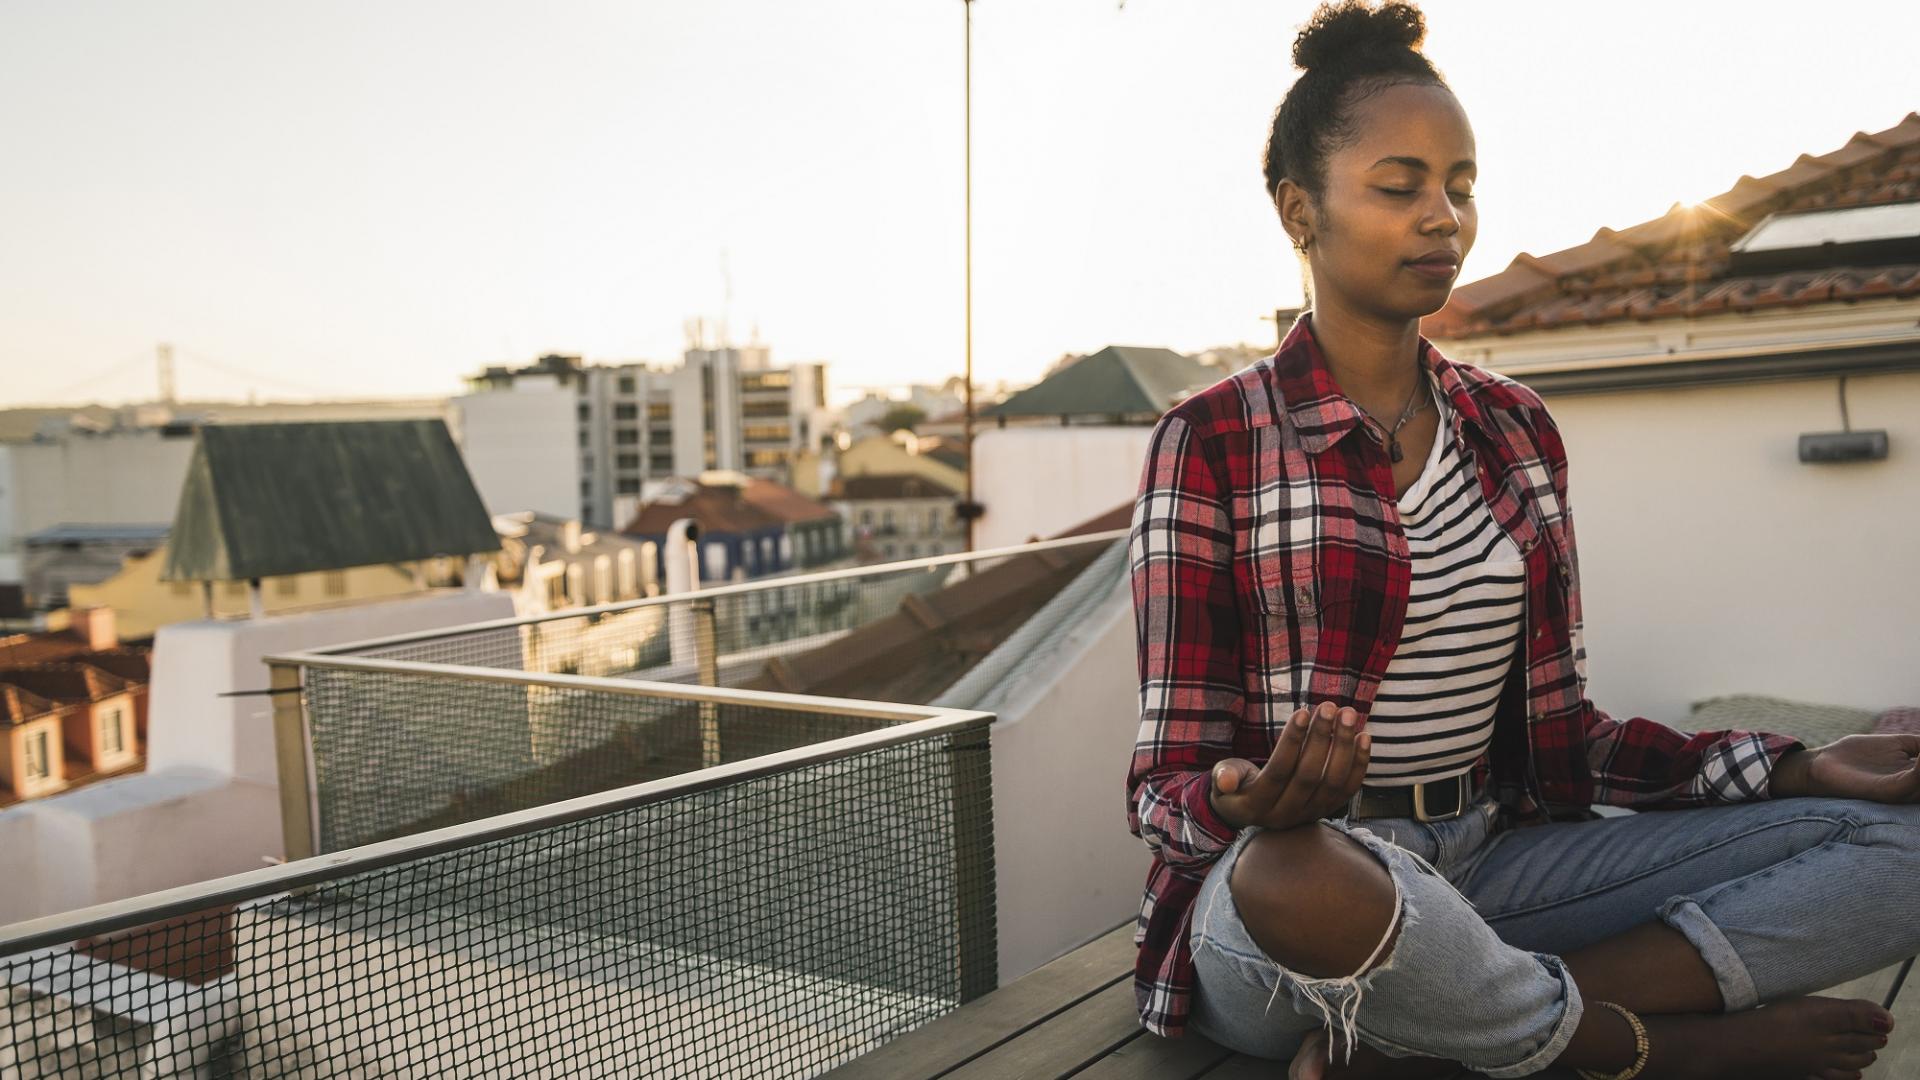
(1124, 379)
(262, 500)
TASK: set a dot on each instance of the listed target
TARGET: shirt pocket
(1305, 608)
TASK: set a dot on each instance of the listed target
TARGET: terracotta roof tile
(17, 704)
(65, 683)
(1680, 264)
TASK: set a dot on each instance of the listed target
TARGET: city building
(899, 516)
(550, 564)
(1072, 445)
(566, 438)
(142, 603)
(73, 707)
(749, 527)
(1748, 370)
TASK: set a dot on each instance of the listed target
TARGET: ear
(1296, 211)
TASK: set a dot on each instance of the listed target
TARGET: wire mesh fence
(731, 636)
(769, 923)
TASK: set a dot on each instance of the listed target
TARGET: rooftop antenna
(166, 373)
(726, 304)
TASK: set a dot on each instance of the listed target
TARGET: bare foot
(1822, 1037)
(1794, 1039)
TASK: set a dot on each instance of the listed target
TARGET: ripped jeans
(1780, 897)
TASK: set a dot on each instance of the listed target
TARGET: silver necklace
(1406, 413)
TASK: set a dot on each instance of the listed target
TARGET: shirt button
(1539, 631)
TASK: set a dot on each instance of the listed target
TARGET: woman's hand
(1881, 768)
(1317, 766)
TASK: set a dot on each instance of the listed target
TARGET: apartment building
(565, 438)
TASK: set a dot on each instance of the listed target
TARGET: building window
(586, 411)
(933, 520)
(626, 461)
(112, 735)
(913, 551)
(585, 436)
(886, 518)
(626, 411)
(286, 586)
(37, 765)
(628, 485)
(660, 437)
(627, 437)
(659, 410)
(866, 515)
(336, 583)
(660, 465)
(626, 384)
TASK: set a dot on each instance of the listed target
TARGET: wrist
(1791, 777)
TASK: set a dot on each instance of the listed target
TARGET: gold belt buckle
(1459, 801)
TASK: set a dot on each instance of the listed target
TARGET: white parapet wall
(1066, 867)
(208, 803)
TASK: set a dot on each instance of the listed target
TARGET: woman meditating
(1366, 758)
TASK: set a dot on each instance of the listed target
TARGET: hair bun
(1351, 29)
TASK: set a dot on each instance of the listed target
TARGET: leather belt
(1435, 800)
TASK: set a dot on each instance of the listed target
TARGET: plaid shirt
(1270, 573)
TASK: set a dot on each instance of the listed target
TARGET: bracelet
(1640, 1047)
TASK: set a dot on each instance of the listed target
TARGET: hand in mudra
(1317, 766)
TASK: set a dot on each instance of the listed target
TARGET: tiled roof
(265, 500)
(1119, 379)
(888, 486)
(17, 705)
(783, 502)
(1679, 265)
(65, 683)
(721, 510)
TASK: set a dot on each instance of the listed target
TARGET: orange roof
(783, 502)
(17, 705)
(65, 683)
(1678, 264)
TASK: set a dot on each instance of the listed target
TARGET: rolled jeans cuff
(1562, 1030)
(1729, 971)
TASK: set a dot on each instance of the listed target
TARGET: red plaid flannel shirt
(1270, 573)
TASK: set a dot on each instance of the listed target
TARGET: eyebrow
(1417, 163)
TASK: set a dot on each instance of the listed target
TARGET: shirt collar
(1322, 415)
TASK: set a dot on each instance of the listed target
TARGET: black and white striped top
(1433, 715)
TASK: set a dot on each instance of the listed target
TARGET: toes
(1867, 1016)
(1854, 1042)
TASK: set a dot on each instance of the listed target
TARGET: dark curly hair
(1348, 50)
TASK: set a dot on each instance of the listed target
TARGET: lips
(1438, 264)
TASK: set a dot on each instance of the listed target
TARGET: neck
(1375, 364)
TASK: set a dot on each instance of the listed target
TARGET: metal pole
(967, 6)
(707, 653)
(290, 755)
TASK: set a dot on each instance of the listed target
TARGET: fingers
(1281, 766)
(1299, 798)
(1334, 789)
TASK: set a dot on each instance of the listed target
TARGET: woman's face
(1396, 215)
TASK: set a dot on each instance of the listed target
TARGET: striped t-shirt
(1433, 716)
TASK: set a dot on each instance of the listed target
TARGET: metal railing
(597, 842)
(772, 914)
(433, 727)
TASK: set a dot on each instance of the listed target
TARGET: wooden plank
(1242, 1067)
(979, 1026)
(1151, 1057)
(1064, 1044)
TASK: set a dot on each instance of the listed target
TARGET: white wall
(1065, 864)
(522, 446)
(118, 478)
(208, 803)
(1712, 561)
(1038, 481)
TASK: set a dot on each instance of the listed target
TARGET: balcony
(743, 832)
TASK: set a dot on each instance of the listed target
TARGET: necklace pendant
(1394, 451)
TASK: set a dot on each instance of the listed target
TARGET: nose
(1442, 217)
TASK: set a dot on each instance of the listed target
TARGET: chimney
(95, 626)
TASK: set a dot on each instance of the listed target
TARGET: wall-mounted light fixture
(1846, 444)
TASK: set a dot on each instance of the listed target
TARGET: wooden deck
(1075, 1018)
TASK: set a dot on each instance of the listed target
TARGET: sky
(365, 199)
